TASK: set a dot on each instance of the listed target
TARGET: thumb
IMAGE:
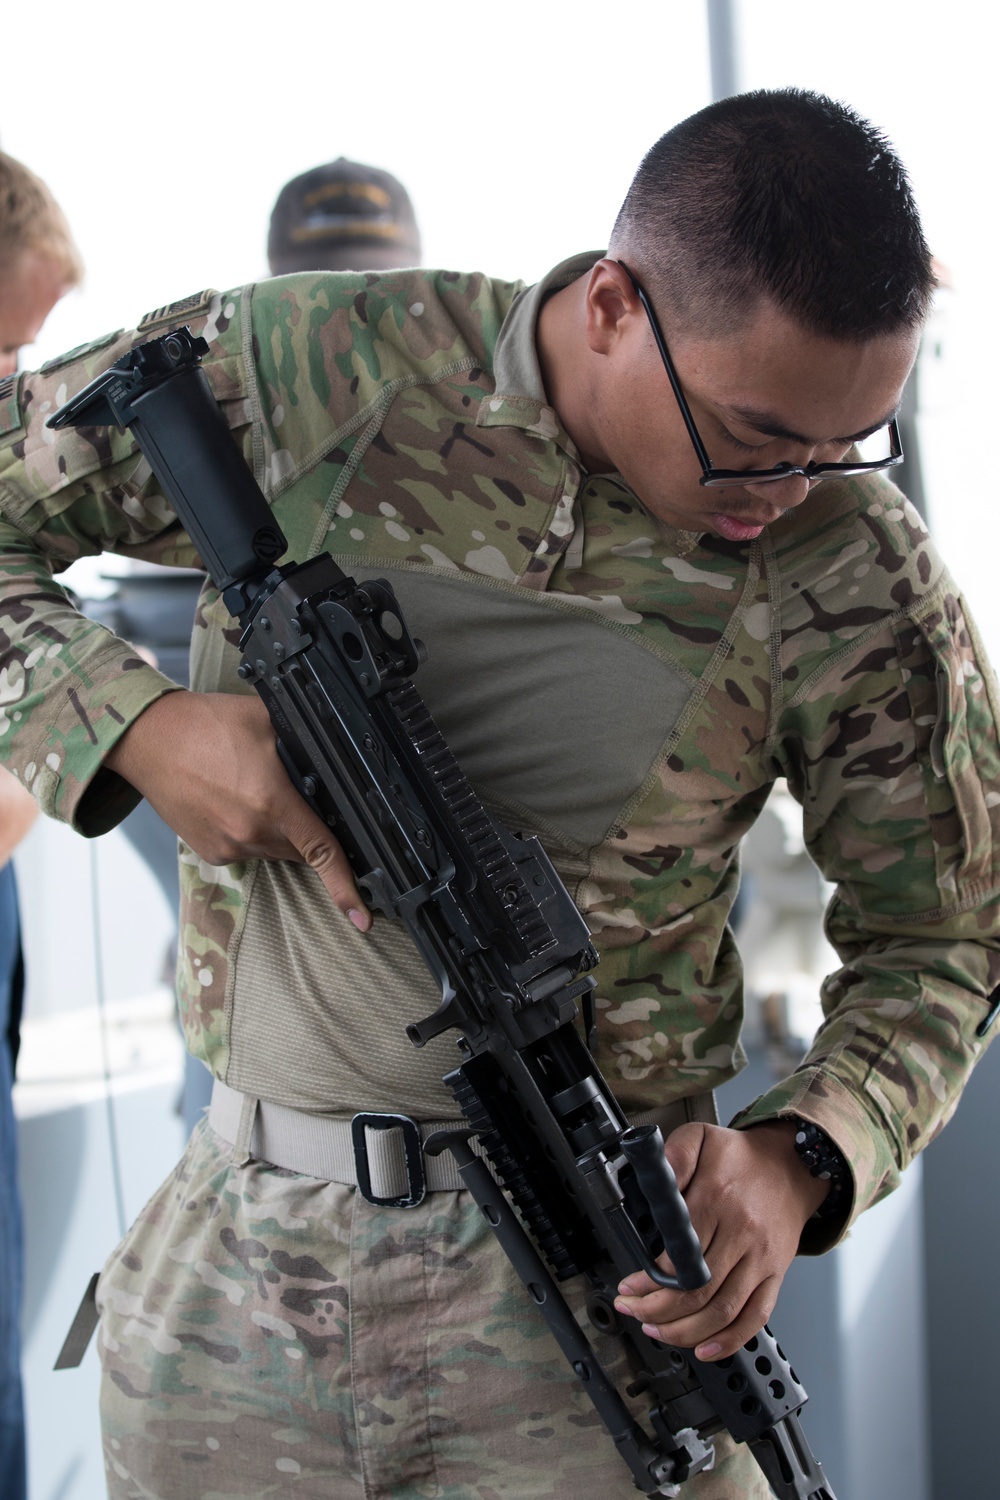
(683, 1148)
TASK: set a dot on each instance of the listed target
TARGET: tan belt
(378, 1152)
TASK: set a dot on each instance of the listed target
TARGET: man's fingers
(209, 765)
(734, 1314)
(732, 1335)
(638, 1284)
(683, 1151)
(321, 852)
(641, 1298)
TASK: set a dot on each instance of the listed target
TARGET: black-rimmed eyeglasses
(717, 479)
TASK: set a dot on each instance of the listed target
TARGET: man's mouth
(736, 529)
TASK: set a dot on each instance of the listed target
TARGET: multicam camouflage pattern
(263, 1333)
(388, 425)
(391, 423)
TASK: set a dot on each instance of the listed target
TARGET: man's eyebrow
(768, 425)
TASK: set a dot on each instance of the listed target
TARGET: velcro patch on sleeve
(80, 352)
(10, 405)
(184, 307)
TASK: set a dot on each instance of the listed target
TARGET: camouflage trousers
(264, 1333)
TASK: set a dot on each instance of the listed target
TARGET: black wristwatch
(825, 1161)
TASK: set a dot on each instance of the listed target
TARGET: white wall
(166, 130)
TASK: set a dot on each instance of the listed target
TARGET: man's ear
(611, 304)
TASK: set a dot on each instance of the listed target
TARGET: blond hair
(31, 219)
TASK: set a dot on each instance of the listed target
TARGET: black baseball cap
(342, 216)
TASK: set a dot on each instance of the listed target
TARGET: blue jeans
(13, 1476)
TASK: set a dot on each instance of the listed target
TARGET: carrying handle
(642, 1147)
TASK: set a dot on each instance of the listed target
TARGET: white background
(166, 130)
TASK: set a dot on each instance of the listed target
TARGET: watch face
(825, 1161)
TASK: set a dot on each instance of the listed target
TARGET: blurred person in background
(342, 216)
(38, 264)
(679, 620)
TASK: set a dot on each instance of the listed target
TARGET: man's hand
(749, 1196)
(207, 762)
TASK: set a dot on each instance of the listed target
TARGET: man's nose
(784, 493)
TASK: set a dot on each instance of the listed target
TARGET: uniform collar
(519, 399)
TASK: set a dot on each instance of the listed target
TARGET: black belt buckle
(413, 1155)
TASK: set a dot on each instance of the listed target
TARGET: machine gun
(333, 659)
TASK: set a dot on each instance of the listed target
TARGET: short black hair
(786, 194)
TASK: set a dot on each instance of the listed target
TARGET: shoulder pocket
(80, 352)
(952, 697)
(10, 405)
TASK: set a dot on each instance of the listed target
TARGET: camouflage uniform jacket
(628, 691)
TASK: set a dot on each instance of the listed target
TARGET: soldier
(38, 263)
(625, 509)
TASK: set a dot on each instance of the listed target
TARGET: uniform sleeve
(893, 753)
(69, 688)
